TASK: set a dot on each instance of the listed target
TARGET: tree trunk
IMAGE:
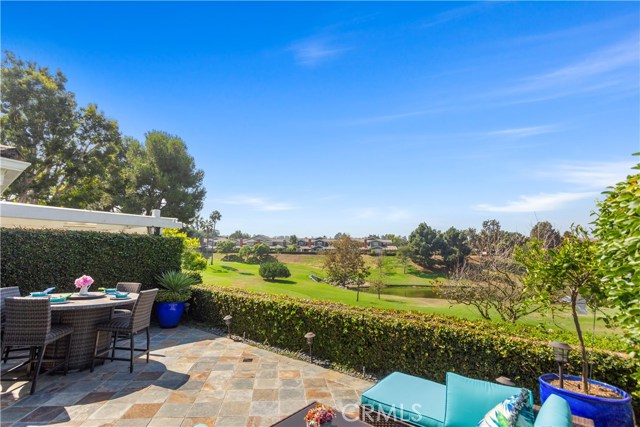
(358, 292)
(583, 350)
(404, 267)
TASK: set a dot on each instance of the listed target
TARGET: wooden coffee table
(297, 419)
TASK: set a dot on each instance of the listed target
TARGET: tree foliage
(345, 265)
(163, 176)
(424, 242)
(192, 260)
(618, 231)
(239, 235)
(75, 153)
(273, 269)
(571, 269)
(225, 246)
(545, 233)
(454, 248)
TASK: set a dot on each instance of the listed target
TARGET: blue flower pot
(603, 411)
(169, 313)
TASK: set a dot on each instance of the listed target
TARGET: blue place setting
(39, 294)
(121, 295)
(111, 291)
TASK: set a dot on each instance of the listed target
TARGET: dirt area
(594, 389)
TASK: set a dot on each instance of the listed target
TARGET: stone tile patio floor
(192, 377)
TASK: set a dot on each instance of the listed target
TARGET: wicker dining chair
(131, 287)
(127, 326)
(28, 324)
(9, 292)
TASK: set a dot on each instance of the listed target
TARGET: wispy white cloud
(259, 203)
(588, 175)
(456, 13)
(391, 117)
(523, 132)
(316, 50)
(589, 71)
(538, 203)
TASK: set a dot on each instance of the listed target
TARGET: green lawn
(300, 285)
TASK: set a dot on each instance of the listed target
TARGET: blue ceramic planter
(169, 313)
(604, 412)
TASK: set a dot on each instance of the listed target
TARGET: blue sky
(318, 118)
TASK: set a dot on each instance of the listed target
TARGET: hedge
(382, 341)
(36, 259)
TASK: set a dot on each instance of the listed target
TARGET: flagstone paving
(193, 377)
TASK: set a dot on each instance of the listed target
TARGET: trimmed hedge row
(383, 341)
(36, 259)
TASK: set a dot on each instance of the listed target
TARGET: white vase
(84, 291)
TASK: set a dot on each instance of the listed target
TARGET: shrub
(271, 270)
(176, 286)
(195, 275)
(192, 260)
(382, 341)
(36, 259)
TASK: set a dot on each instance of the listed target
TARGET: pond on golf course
(407, 291)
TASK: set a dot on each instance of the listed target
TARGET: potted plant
(176, 290)
(572, 268)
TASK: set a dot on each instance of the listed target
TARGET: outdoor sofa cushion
(555, 412)
(468, 399)
(415, 400)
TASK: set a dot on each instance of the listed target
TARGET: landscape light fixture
(310, 336)
(505, 381)
(561, 356)
(227, 321)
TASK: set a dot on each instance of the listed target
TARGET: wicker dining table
(84, 315)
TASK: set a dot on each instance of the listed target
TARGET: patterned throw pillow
(515, 411)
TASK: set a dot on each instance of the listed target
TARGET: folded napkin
(49, 290)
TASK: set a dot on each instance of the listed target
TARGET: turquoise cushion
(555, 412)
(468, 399)
(416, 400)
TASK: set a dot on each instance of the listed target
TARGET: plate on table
(119, 299)
(90, 295)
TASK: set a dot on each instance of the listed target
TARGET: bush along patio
(37, 259)
(384, 341)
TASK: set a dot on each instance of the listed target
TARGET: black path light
(310, 336)
(561, 356)
(505, 381)
(227, 321)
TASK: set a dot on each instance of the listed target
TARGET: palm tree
(215, 217)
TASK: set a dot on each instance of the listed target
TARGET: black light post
(310, 336)
(227, 321)
(561, 356)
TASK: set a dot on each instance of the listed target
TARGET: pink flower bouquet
(84, 281)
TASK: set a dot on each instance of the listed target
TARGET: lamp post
(561, 356)
(227, 321)
(310, 336)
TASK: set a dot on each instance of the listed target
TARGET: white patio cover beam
(23, 215)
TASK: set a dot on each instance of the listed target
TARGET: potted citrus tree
(176, 290)
(572, 269)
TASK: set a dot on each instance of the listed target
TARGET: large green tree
(618, 231)
(162, 175)
(424, 242)
(454, 247)
(75, 153)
